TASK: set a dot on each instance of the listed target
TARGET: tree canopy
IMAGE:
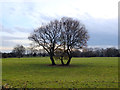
(66, 33)
(19, 50)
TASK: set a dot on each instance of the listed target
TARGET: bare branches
(56, 33)
(66, 33)
(47, 36)
(75, 34)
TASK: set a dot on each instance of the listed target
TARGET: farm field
(36, 72)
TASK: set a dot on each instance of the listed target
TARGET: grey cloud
(7, 43)
(15, 29)
(100, 25)
(7, 30)
(12, 38)
(22, 29)
(103, 39)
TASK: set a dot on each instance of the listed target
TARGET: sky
(19, 18)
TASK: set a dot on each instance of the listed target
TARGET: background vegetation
(88, 52)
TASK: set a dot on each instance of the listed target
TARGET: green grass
(96, 72)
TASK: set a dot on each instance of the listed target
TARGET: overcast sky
(19, 18)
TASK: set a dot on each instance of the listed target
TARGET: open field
(96, 72)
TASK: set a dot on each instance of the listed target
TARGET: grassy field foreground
(97, 72)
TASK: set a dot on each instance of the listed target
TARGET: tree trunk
(62, 62)
(68, 62)
(53, 62)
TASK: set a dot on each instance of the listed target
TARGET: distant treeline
(89, 52)
(11, 54)
(98, 52)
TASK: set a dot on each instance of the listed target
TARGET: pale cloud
(27, 42)
(5, 48)
(22, 29)
(96, 8)
(103, 46)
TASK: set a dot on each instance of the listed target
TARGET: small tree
(19, 50)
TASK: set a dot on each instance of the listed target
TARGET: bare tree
(74, 36)
(48, 36)
(19, 50)
(66, 34)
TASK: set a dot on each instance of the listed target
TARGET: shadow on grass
(71, 65)
(37, 65)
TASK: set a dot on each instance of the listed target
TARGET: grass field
(96, 72)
